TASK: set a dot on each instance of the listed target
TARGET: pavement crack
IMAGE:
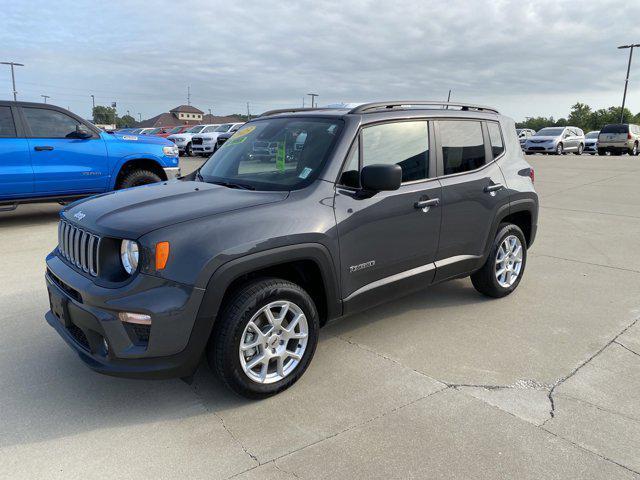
(237, 440)
(626, 348)
(581, 447)
(279, 468)
(389, 359)
(560, 381)
(585, 263)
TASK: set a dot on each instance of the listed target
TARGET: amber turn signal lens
(162, 255)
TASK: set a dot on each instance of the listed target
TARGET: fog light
(136, 318)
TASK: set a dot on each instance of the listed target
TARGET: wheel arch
(137, 163)
(309, 265)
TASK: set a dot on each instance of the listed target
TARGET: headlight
(178, 139)
(170, 151)
(129, 255)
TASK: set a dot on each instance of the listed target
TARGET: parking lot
(444, 383)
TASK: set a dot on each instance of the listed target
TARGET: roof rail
(368, 107)
(291, 110)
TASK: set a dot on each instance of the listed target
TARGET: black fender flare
(230, 271)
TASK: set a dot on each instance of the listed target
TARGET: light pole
(140, 116)
(313, 96)
(626, 81)
(13, 77)
(45, 98)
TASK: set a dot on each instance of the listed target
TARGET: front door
(62, 164)
(388, 240)
(473, 190)
(16, 174)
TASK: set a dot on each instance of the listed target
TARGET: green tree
(104, 115)
(580, 116)
(125, 121)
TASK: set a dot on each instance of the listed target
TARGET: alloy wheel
(508, 261)
(273, 342)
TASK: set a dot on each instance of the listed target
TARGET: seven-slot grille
(79, 247)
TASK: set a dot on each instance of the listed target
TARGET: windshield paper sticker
(305, 173)
(244, 131)
(234, 141)
(280, 154)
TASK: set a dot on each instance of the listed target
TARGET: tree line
(582, 116)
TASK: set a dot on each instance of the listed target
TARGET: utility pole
(248, 112)
(210, 114)
(13, 77)
(188, 94)
(313, 96)
(140, 117)
(45, 98)
(626, 81)
(303, 101)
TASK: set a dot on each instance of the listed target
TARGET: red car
(164, 132)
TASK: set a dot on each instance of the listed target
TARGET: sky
(527, 58)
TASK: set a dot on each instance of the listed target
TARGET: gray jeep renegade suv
(300, 217)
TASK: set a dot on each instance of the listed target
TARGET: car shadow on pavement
(47, 393)
(30, 215)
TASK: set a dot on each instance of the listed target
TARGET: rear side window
(402, 143)
(462, 146)
(7, 127)
(495, 135)
(50, 123)
(615, 129)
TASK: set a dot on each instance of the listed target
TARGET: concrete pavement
(441, 384)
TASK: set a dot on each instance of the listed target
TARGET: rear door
(62, 164)
(473, 189)
(16, 173)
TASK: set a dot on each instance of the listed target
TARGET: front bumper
(85, 315)
(204, 148)
(540, 147)
(172, 172)
(590, 147)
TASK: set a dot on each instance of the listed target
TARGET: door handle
(425, 205)
(40, 148)
(493, 188)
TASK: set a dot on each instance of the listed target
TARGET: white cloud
(527, 58)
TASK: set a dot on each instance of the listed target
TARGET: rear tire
(138, 177)
(602, 152)
(634, 150)
(488, 280)
(234, 330)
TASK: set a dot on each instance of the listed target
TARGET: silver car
(556, 140)
(591, 142)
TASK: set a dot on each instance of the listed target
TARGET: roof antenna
(448, 99)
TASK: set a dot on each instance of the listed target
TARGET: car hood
(542, 138)
(183, 135)
(133, 212)
(140, 139)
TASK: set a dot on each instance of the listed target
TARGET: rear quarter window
(7, 126)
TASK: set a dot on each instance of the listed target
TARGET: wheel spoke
(256, 361)
(263, 371)
(293, 355)
(283, 312)
(271, 319)
(298, 336)
(280, 366)
(248, 346)
(256, 329)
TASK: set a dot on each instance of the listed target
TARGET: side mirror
(378, 178)
(80, 134)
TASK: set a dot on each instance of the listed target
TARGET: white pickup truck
(205, 142)
(183, 140)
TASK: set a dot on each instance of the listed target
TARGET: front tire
(138, 177)
(580, 149)
(188, 151)
(560, 149)
(503, 270)
(265, 338)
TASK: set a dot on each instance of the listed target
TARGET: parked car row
(613, 139)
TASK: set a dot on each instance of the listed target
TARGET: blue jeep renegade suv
(49, 154)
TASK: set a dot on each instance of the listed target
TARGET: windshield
(195, 129)
(593, 134)
(550, 132)
(175, 130)
(274, 154)
(615, 128)
(153, 130)
(223, 128)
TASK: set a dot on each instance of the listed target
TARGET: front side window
(274, 154)
(46, 123)
(7, 127)
(495, 135)
(402, 143)
(462, 145)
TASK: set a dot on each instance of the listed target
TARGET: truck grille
(196, 140)
(79, 247)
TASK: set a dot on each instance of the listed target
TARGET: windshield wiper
(242, 186)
